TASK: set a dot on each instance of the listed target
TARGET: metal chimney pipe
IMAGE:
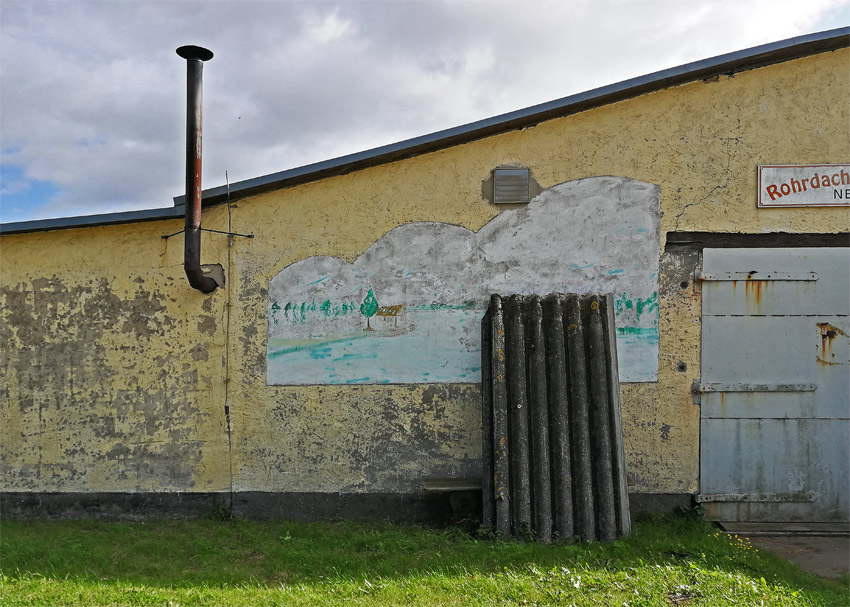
(194, 56)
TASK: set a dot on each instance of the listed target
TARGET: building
(127, 393)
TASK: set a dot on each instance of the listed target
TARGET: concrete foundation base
(257, 505)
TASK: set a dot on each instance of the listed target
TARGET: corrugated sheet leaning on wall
(554, 464)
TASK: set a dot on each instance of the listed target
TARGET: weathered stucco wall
(110, 375)
(116, 374)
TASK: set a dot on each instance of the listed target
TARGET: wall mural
(409, 309)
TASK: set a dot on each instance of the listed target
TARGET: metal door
(775, 385)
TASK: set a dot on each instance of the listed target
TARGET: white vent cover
(510, 186)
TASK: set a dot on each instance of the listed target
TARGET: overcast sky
(92, 94)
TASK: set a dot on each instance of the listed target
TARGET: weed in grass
(220, 513)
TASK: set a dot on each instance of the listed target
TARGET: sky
(92, 94)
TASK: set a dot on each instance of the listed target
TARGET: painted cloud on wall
(408, 310)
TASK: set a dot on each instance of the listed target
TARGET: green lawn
(676, 560)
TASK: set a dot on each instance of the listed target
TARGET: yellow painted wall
(110, 373)
(115, 373)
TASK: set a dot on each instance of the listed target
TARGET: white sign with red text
(804, 185)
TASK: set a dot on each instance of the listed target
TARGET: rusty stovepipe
(194, 56)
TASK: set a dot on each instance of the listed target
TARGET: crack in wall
(721, 186)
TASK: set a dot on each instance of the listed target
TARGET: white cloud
(330, 27)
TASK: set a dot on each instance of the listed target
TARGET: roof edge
(91, 221)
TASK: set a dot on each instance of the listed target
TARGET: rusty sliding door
(775, 387)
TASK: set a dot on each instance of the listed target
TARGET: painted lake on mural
(378, 357)
(428, 354)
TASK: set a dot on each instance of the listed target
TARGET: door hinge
(755, 275)
(700, 388)
(800, 496)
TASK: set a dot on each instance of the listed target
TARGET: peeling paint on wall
(100, 388)
(408, 310)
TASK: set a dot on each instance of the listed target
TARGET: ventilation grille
(552, 432)
(510, 186)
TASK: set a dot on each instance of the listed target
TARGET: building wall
(116, 374)
(110, 375)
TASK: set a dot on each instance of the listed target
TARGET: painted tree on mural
(369, 307)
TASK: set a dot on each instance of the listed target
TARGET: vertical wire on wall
(229, 292)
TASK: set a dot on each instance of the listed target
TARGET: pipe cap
(195, 52)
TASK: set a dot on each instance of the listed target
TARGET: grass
(676, 560)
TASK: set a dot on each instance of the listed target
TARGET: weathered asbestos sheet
(408, 310)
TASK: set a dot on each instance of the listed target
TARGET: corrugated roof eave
(91, 221)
